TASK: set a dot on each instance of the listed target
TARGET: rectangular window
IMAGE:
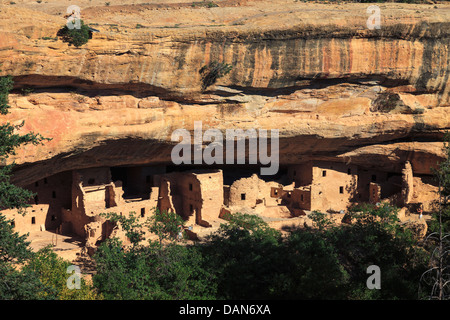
(374, 177)
(242, 196)
(33, 220)
(324, 173)
(301, 197)
(53, 194)
(142, 212)
(191, 208)
(349, 171)
(341, 189)
(190, 186)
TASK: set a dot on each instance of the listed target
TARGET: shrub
(76, 37)
(213, 71)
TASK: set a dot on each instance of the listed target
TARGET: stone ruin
(71, 202)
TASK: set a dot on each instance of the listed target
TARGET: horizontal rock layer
(334, 90)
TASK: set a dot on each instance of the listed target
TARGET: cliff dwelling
(360, 118)
(70, 203)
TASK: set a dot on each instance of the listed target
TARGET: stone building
(197, 196)
(71, 202)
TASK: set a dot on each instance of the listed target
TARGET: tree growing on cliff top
(75, 36)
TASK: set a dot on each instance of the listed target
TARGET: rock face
(334, 89)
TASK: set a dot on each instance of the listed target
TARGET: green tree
(376, 237)
(131, 225)
(12, 196)
(166, 225)
(244, 255)
(151, 271)
(14, 248)
(75, 36)
(310, 269)
(436, 280)
(52, 272)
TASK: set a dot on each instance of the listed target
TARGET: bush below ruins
(246, 259)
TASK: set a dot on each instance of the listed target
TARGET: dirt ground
(67, 247)
(133, 15)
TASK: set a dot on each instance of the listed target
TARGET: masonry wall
(211, 186)
(301, 174)
(52, 194)
(334, 186)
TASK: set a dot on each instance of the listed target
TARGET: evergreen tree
(14, 249)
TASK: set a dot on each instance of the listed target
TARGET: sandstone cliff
(334, 88)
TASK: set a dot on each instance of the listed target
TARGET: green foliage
(442, 174)
(12, 196)
(14, 248)
(320, 220)
(76, 37)
(244, 254)
(19, 285)
(310, 269)
(166, 225)
(204, 3)
(246, 259)
(14, 252)
(52, 273)
(376, 238)
(131, 226)
(6, 85)
(213, 71)
(151, 272)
